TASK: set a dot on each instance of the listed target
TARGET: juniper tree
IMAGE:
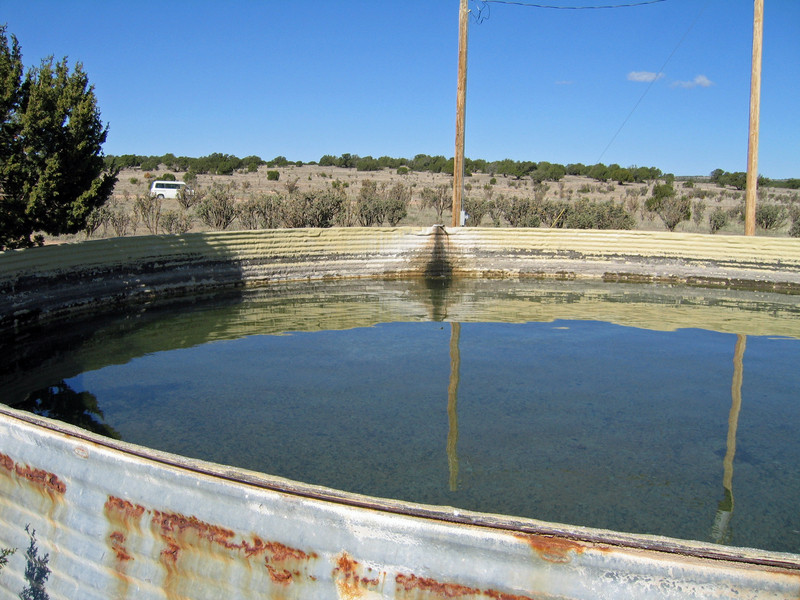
(52, 172)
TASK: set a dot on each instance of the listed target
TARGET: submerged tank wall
(47, 281)
(116, 520)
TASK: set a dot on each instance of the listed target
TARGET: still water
(644, 409)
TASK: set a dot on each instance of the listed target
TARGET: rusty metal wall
(120, 521)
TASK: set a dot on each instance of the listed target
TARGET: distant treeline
(739, 180)
(227, 164)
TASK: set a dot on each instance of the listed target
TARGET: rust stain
(174, 523)
(42, 478)
(503, 596)
(425, 584)
(346, 564)
(280, 552)
(118, 546)
(413, 586)
(179, 533)
(49, 481)
(281, 577)
(171, 552)
(120, 515)
(255, 549)
(124, 508)
(350, 580)
(6, 462)
(551, 549)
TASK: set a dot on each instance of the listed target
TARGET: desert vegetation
(350, 191)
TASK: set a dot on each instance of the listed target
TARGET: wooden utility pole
(461, 111)
(755, 107)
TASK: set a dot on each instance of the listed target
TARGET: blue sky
(303, 78)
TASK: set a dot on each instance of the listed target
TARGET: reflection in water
(452, 404)
(721, 531)
(62, 403)
(588, 404)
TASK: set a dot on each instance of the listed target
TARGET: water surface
(619, 407)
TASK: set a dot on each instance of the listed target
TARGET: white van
(166, 189)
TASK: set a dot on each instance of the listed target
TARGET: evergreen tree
(52, 172)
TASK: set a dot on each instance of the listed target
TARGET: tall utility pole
(461, 111)
(755, 107)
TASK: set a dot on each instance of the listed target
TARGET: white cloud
(699, 81)
(644, 76)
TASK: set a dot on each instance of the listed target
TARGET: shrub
(665, 203)
(173, 221)
(520, 212)
(167, 177)
(717, 219)
(261, 212)
(148, 209)
(493, 181)
(189, 197)
(438, 198)
(313, 208)
(396, 200)
(771, 216)
(119, 220)
(273, 175)
(98, 217)
(553, 213)
(698, 210)
(218, 209)
(134, 180)
(476, 209)
(588, 214)
(370, 208)
(402, 170)
(291, 185)
(794, 230)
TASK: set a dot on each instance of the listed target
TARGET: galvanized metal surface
(120, 521)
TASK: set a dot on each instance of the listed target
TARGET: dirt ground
(312, 177)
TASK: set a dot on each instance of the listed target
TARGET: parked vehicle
(166, 189)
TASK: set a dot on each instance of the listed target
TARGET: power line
(657, 76)
(527, 4)
(480, 17)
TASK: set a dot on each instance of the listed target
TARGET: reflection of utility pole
(452, 405)
(461, 111)
(720, 531)
(755, 104)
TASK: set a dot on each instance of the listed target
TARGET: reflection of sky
(573, 421)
